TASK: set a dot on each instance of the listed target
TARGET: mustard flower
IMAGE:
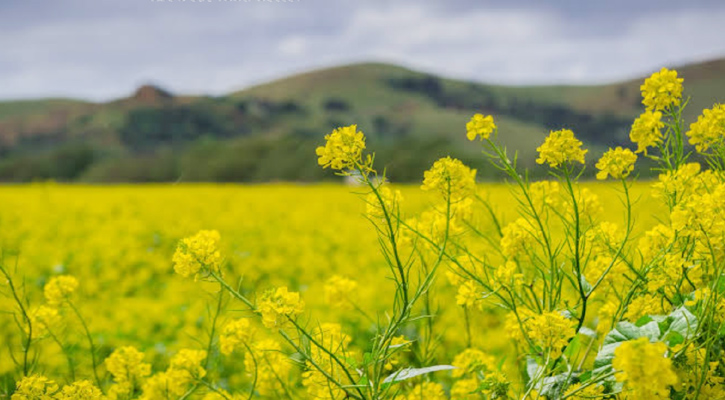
(517, 237)
(465, 389)
(480, 126)
(605, 317)
(644, 369)
(551, 331)
(559, 148)
(198, 253)
(451, 178)
(343, 149)
(59, 289)
(471, 362)
(508, 274)
(279, 304)
(468, 294)
(643, 305)
(709, 129)
(190, 363)
(426, 391)
(618, 163)
(338, 291)
(34, 387)
(171, 384)
(81, 390)
(647, 130)
(126, 365)
(655, 241)
(235, 335)
(495, 386)
(44, 319)
(662, 90)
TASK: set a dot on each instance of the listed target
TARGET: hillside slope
(268, 132)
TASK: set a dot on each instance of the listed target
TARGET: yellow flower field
(553, 289)
(118, 242)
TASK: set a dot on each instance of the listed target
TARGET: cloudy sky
(103, 49)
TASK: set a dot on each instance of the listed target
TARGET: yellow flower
(464, 389)
(645, 305)
(81, 390)
(426, 391)
(468, 294)
(709, 130)
(189, 363)
(551, 331)
(472, 361)
(508, 274)
(496, 386)
(646, 130)
(34, 387)
(170, 384)
(617, 162)
(391, 200)
(343, 149)
(126, 366)
(480, 126)
(451, 178)
(561, 147)
(44, 319)
(605, 317)
(517, 237)
(234, 335)
(643, 368)
(662, 90)
(279, 304)
(59, 289)
(198, 253)
(655, 241)
(338, 290)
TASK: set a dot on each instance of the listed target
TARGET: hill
(269, 132)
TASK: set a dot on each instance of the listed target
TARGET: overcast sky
(103, 49)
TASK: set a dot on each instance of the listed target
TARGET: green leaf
(624, 331)
(683, 322)
(408, 373)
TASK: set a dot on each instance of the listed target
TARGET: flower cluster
(126, 366)
(343, 150)
(451, 178)
(198, 253)
(480, 126)
(644, 369)
(277, 305)
(59, 289)
(647, 130)
(662, 90)
(618, 163)
(709, 129)
(236, 335)
(560, 148)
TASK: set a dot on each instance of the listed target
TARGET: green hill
(269, 132)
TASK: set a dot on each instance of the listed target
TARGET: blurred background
(243, 91)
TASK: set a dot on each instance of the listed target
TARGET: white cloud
(214, 48)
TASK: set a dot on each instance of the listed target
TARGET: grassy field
(119, 241)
